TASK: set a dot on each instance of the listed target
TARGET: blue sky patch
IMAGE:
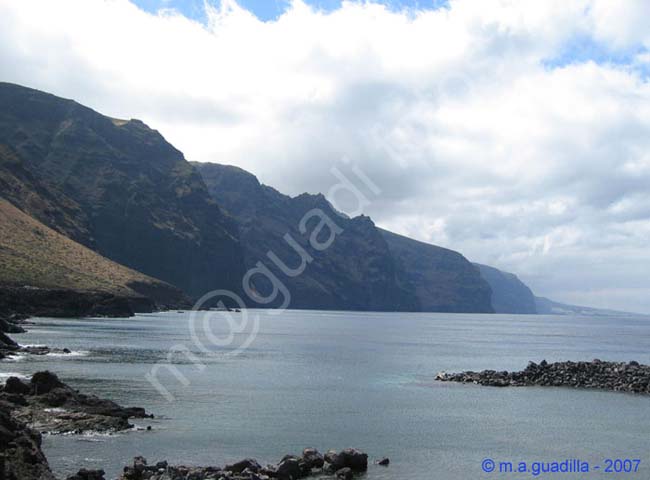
(584, 49)
(272, 9)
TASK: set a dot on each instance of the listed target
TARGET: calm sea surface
(339, 379)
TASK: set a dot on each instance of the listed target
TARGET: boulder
(16, 386)
(290, 468)
(45, 382)
(312, 458)
(84, 474)
(350, 457)
(248, 463)
(354, 459)
(345, 474)
(7, 343)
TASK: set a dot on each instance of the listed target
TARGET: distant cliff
(357, 272)
(443, 280)
(116, 187)
(366, 268)
(509, 294)
(119, 189)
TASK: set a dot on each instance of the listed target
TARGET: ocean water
(341, 379)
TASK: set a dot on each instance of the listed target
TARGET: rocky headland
(50, 406)
(9, 347)
(617, 376)
(47, 405)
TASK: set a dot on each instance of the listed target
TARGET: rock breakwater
(617, 376)
(345, 464)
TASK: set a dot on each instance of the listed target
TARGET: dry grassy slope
(33, 254)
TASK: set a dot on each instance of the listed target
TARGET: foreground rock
(12, 324)
(48, 405)
(84, 474)
(21, 457)
(620, 377)
(340, 465)
(7, 345)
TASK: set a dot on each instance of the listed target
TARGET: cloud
(515, 132)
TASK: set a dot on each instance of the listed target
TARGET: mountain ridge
(120, 189)
(266, 215)
(117, 187)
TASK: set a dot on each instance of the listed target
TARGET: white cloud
(476, 142)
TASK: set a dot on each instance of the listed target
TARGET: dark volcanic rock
(44, 382)
(7, 342)
(242, 465)
(312, 458)
(8, 326)
(50, 405)
(345, 474)
(618, 376)
(7, 345)
(350, 458)
(15, 385)
(21, 457)
(84, 474)
(291, 467)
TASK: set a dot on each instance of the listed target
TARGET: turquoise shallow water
(338, 379)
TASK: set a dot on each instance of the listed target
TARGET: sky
(516, 132)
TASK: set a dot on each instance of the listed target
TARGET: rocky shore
(50, 406)
(46, 404)
(9, 347)
(617, 376)
(49, 302)
(343, 465)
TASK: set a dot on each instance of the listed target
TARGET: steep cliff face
(443, 280)
(356, 272)
(116, 187)
(509, 294)
(366, 268)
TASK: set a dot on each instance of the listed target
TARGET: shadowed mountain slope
(356, 272)
(364, 269)
(116, 187)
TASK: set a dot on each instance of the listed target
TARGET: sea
(263, 383)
